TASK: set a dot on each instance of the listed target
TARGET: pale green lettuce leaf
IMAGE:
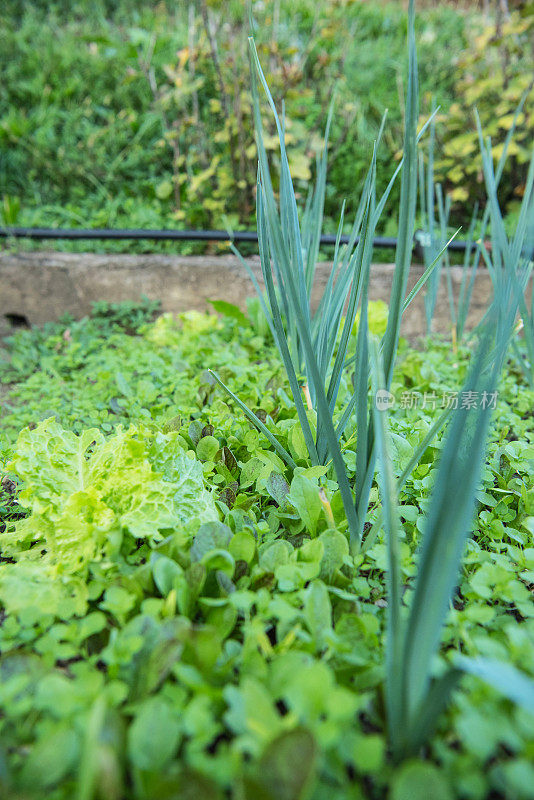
(91, 497)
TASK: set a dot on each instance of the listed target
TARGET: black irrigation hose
(179, 235)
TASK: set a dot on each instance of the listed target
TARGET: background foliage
(123, 114)
(493, 75)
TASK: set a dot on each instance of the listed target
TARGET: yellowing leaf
(299, 165)
(513, 149)
(459, 195)
(164, 190)
(506, 121)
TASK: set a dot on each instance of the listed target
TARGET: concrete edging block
(41, 286)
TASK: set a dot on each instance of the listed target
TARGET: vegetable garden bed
(198, 621)
(281, 554)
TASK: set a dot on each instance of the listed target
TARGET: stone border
(41, 286)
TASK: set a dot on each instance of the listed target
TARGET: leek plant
(315, 345)
(526, 312)
(434, 235)
(415, 697)
(510, 260)
(432, 239)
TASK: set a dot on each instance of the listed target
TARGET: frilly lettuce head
(94, 499)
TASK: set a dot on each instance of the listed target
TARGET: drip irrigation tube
(179, 235)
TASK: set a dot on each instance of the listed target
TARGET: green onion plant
(415, 695)
(510, 259)
(435, 213)
(314, 345)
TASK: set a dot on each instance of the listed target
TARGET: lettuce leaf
(92, 499)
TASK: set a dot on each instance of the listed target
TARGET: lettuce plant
(94, 500)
